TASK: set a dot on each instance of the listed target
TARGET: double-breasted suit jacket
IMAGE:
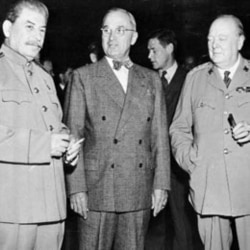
(32, 186)
(126, 152)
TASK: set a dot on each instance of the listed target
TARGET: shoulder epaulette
(207, 65)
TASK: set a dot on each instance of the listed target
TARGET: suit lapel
(176, 82)
(109, 82)
(135, 91)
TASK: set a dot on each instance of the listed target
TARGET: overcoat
(126, 152)
(32, 186)
(202, 141)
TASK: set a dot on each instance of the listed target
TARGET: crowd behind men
(115, 140)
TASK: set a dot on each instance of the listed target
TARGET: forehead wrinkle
(121, 19)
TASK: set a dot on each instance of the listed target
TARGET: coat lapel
(215, 79)
(176, 83)
(107, 80)
(137, 87)
(241, 76)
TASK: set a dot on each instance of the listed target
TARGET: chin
(217, 59)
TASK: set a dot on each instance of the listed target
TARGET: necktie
(227, 79)
(164, 80)
(117, 64)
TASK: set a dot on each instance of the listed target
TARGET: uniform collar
(14, 56)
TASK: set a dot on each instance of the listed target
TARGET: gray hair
(131, 17)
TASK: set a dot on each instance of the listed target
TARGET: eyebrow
(30, 22)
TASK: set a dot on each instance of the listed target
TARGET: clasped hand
(63, 144)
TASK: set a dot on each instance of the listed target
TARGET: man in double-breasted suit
(123, 169)
(162, 46)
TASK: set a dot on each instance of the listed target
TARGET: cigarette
(79, 141)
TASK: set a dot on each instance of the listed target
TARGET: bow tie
(117, 64)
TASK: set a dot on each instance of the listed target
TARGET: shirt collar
(170, 71)
(232, 69)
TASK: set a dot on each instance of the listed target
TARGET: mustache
(34, 44)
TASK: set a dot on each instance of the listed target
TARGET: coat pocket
(15, 96)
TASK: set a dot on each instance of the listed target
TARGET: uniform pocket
(15, 96)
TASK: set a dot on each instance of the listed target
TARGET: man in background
(123, 171)
(162, 45)
(32, 138)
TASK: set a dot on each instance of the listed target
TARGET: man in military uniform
(209, 145)
(32, 137)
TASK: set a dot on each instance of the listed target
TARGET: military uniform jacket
(126, 152)
(219, 167)
(32, 187)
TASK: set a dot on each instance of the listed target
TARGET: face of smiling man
(224, 42)
(26, 35)
(117, 46)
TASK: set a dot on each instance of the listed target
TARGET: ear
(6, 28)
(134, 38)
(241, 42)
(170, 48)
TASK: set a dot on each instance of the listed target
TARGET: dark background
(74, 24)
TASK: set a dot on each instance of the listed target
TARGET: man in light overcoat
(33, 139)
(209, 145)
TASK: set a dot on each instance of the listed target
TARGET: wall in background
(73, 24)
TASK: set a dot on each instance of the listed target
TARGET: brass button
(225, 151)
(36, 90)
(44, 108)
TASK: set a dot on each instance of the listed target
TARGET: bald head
(225, 40)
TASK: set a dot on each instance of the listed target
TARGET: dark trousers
(176, 226)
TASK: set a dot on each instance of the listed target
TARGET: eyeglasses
(120, 31)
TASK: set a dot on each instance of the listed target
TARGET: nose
(149, 54)
(111, 35)
(38, 35)
(214, 43)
